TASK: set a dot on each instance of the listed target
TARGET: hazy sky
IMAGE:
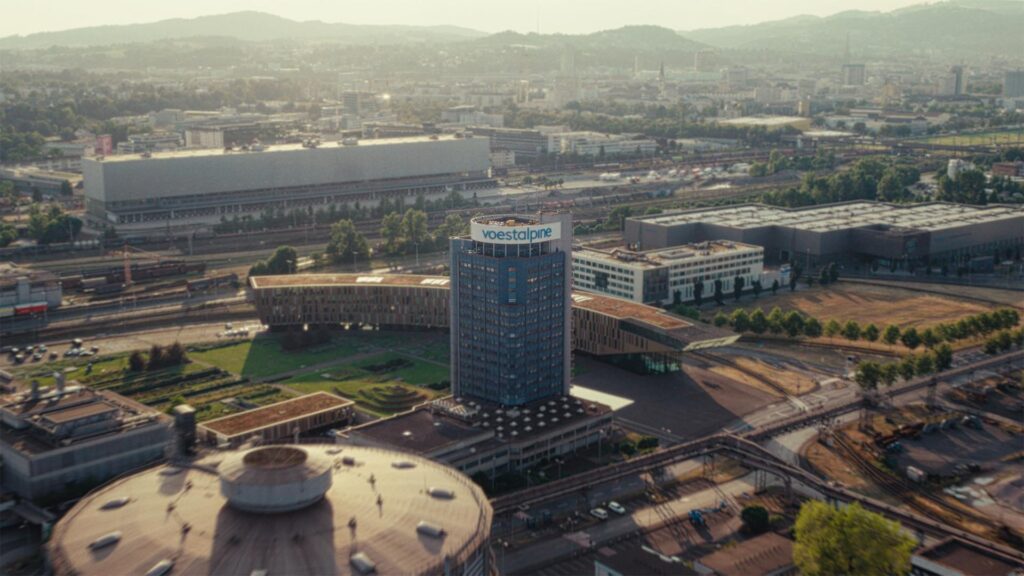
(569, 16)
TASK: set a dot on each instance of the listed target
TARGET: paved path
(642, 519)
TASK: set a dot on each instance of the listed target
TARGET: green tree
(347, 243)
(284, 260)
(756, 519)
(8, 234)
(414, 227)
(943, 357)
(136, 362)
(832, 328)
(868, 374)
(849, 540)
(156, 357)
(391, 231)
(910, 339)
(891, 334)
(929, 338)
(793, 323)
(617, 218)
(739, 320)
(871, 333)
(812, 328)
(925, 364)
(775, 318)
(698, 291)
(851, 330)
(908, 367)
(758, 321)
(737, 287)
(720, 319)
(889, 373)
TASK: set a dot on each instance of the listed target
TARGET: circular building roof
(312, 509)
(275, 478)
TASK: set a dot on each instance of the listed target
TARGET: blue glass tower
(510, 308)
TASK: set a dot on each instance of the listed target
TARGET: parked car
(616, 507)
(599, 513)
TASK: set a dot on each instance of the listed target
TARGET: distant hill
(965, 28)
(617, 48)
(245, 26)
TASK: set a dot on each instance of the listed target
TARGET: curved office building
(511, 308)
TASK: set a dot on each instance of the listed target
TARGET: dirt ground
(881, 305)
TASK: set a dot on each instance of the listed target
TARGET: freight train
(139, 272)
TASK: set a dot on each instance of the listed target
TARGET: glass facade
(510, 320)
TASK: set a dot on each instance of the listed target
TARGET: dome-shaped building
(283, 509)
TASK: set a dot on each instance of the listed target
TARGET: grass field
(977, 139)
(881, 305)
(382, 384)
(262, 356)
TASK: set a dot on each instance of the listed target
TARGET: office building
(187, 187)
(952, 83)
(511, 287)
(283, 509)
(596, 144)
(886, 234)
(151, 142)
(526, 144)
(27, 288)
(602, 325)
(853, 75)
(467, 115)
(1013, 84)
(667, 275)
(63, 440)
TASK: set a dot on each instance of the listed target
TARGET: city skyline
(566, 17)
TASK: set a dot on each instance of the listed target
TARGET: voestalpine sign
(524, 234)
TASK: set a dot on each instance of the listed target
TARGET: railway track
(906, 493)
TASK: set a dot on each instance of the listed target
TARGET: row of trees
(795, 324)
(1004, 340)
(48, 225)
(405, 233)
(284, 260)
(308, 216)
(777, 162)
(870, 374)
(868, 179)
(159, 357)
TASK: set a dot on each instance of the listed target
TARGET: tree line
(400, 233)
(794, 324)
(868, 179)
(159, 357)
(271, 219)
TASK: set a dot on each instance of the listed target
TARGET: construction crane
(126, 255)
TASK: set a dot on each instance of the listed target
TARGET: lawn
(978, 139)
(382, 384)
(262, 356)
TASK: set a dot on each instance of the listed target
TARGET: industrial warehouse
(888, 234)
(204, 186)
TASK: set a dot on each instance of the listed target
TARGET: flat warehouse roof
(309, 280)
(932, 216)
(270, 149)
(274, 414)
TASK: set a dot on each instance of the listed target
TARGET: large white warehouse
(202, 186)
